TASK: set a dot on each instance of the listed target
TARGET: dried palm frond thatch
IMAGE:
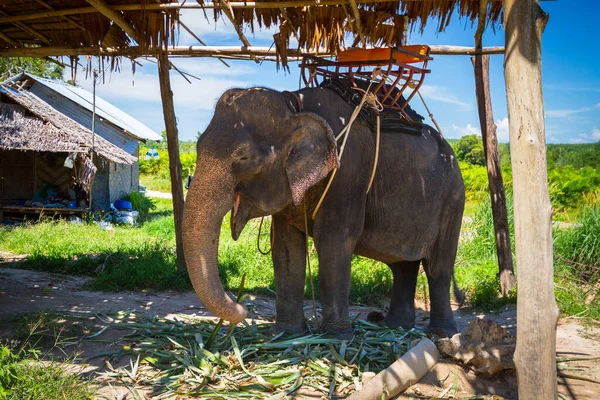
(48, 129)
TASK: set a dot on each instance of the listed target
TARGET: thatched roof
(48, 129)
(95, 26)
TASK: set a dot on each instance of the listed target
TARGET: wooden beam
(205, 51)
(184, 26)
(481, 66)
(166, 95)
(537, 313)
(27, 29)
(116, 17)
(8, 40)
(229, 13)
(68, 19)
(176, 6)
(443, 50)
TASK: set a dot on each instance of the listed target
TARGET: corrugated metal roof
(103, 108)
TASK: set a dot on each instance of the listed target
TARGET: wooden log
(404, 372)
(537, 313)
(166, 95)
(492, 157)
(481, 64)
(445, 50)
(205, 51)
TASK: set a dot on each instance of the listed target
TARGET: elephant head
(255, 158)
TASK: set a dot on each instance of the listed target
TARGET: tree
(470, 149)
(10, 66)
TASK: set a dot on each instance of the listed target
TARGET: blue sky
(571, 77)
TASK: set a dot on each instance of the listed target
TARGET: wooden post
(174, 161)
(492, 158)
(537, 314)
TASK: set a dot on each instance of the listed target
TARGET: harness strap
(297, 98)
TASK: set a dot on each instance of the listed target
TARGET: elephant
(270, 153)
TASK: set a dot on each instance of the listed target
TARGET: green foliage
(477, 263)
(155, 175)
(569, 185)
(10, 66)
(579, 247)
(24, 377)
(574, 155)
(469, 148)
(141, 203)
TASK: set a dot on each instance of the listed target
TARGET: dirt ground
(25, 292)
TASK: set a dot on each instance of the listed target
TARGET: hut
(49, 158)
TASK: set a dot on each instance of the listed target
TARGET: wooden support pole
(492, 157)
(116, 17)
(537, 313)
(481, 64)
(166, 95)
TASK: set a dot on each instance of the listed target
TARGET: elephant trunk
(210, 196)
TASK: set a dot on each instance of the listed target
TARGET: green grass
(154, 182)
(142, 258)
(26, 374)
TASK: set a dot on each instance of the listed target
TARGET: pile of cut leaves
(199, 357)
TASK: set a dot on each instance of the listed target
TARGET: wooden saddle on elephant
(394, 75)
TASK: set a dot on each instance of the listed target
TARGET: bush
(469, 148)
(141, 203)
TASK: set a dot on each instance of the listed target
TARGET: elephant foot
(377, 317)
(442, 330)
(346, 334)
(289, 327)
(340, 331)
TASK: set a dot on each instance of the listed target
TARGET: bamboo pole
(481, 65)
(537, 313)
(166, 95)
(494, 171)
(205, 51)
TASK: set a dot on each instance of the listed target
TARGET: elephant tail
(459, 295)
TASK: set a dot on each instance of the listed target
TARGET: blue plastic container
(123, 205)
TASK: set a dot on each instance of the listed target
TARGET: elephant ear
(312, 155)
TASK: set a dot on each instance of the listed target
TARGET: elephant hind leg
(402, 304)
(439, 267)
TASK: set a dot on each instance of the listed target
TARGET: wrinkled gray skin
(258, 157)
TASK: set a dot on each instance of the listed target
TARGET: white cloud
(443, 94)
(593, 136)
(502, 130)
(465, 130)
(570, 113)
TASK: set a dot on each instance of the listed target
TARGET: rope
(372, 99)
(264, 253)
(376, 154)
(430, 114)
(312, 285)
(345, 133)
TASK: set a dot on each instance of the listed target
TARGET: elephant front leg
(335, 257)
(289, 262)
